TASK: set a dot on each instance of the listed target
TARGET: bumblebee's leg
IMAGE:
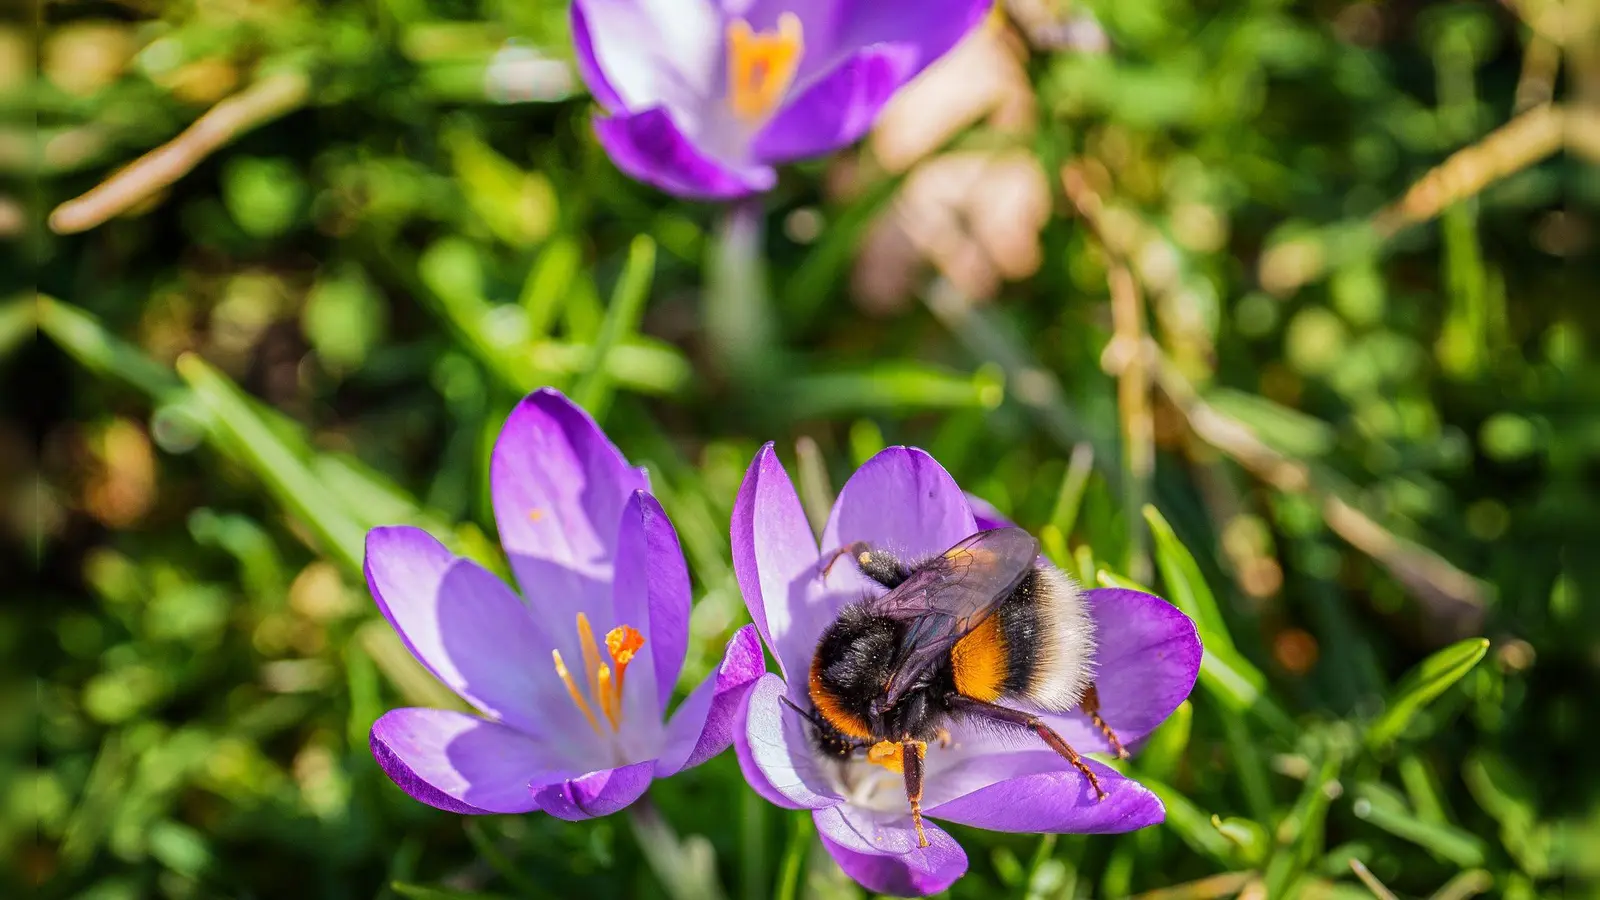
(1090, 704)
(856, 549)
(911, 756)
(1005, 715)
(880, 565)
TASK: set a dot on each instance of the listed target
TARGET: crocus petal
(651, 594)
(460, 763)
(704, 724)
(655, 52)
(464, 625)
(649, 147)
(986, 515)
(932, 27)
(880, 851)
(1039, 792)
(1146, 661)
(903, 501)
(775, 751)
(559, 486)
(588, 66)
(596, 794)
(839, 108)
(775, 559)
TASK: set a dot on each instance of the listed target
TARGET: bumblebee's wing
(949, 596)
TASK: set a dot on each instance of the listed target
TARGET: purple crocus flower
(1147, 658)
(573, 683)
(704, 96)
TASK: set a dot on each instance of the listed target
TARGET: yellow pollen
(888, 754)
(572, 689)
(605, 690)
(535, 515)
(761, 65)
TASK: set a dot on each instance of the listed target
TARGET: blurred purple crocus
(704, 97)
(1147, 659)
(573, 682)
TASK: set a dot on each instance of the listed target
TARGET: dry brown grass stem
(1514, 146)
(1452, 598)
(1527, 140)
(262, 102)
(1211, 887)
(1122, 359)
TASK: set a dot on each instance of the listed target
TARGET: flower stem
(793, 856)
(496, 859)
(1041, 854)
(685, 867)
(737, 306)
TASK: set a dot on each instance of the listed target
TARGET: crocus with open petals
(1147, 659)
(572, 681)
(703, 97)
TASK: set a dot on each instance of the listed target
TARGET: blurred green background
(1287, 310)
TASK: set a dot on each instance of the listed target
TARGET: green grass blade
(259, 447)
(1302, 830)
(1069, 499)
(88, 342)
(1422, 685)
(1445, 841)
(1191, 824)
(794, 856)
(899, 388)
(422, 892)
(18, 320)
(1186, 587)
(811, 478)
(593, 388)
(1241, 687)
(548, 284)
(1244, 748)
(1163, 750)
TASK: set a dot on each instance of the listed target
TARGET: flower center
(605, 689)
(761, 65)
(872, 784)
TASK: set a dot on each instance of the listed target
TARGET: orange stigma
(761, 65)
(622, 644)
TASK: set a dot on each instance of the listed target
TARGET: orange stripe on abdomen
(979, 661)
(832, 709)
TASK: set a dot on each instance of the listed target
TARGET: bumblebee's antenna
(811, 717)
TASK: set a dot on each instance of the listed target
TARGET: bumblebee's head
(851, 670)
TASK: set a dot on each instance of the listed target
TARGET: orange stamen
(610, 702)
(572, 689)
(761, 65)
(591, 657)
(605, 691)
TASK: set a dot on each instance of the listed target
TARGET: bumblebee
(983, 623)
